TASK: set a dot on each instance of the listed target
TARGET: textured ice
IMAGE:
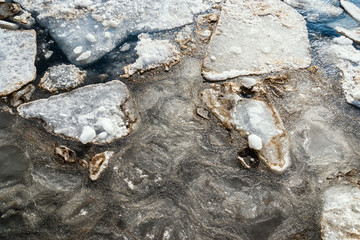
(17, 57)
(347, 59)
(98, 25)
(351, 9)
(251, 117)
(94, 106)
(341, 213)
(62, 77)
(152, 54)
(352, 34)
(256, 37)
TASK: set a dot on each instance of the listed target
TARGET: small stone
(255, 142)
(65, 153)
(87, 134)
(98, 164)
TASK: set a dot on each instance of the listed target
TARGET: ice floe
(17, 57)
(351, 9)
(341, 213)
(253, 118)
(347, 59)
(85, 113)
(256, 37)
(152, 54)
(351, 34)
(62, 77)
(98, 26)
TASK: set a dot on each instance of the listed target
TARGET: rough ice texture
(351, 9)
(250, 116)
(62, 77)
(94, 106)
(256, 37)
(152, 54)
(98, 26)
(347, 59)
(17, 57)
(341, 213)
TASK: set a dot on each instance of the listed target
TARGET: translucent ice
(81, 114)
(98, 25)
(256, 37)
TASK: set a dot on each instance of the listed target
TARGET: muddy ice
(139, 145)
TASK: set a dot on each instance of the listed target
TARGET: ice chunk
(351, 9)
(87, 135)
(254, 117)
(62, 77)
(248, 82)
(347, 58)
(256, 37)
(341, 213)
(255, 142)
(352, 34)
(69, 113)
(71, 24)
(152, 54)
(17, 57)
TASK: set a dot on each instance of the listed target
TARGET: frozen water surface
(166, 154)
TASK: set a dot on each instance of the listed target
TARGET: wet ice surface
(177, 175)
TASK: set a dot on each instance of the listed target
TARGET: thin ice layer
(351, 9)
(95, 106)
(341, 213)
(256, 37)
(251, 117)
(17, 59)
(97, 26)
